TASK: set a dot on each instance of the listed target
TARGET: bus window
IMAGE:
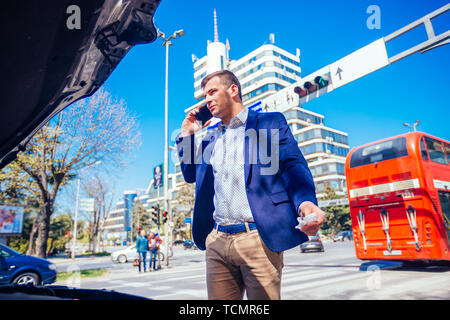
(386, 150)
(436, 151)
(444, 198)
(447, 150)
(423, 150)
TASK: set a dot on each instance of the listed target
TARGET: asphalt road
(333, 274)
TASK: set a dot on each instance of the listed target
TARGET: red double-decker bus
(399, 196)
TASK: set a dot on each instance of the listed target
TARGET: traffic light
(310, 87)
(155, 214)
(164, 217)
(300, 92)
(321, 82)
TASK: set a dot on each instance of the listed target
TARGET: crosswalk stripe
(327, 281)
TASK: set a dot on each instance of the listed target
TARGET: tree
(141, 218)
(17, 188)
(337, 218)
(97, 187)
(95, 129)
(185, 198)
(60, 227)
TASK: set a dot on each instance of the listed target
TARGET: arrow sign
(338, 72)
(359, 63)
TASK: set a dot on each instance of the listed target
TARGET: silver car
(130, 254)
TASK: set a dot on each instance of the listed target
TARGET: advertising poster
(11, 220)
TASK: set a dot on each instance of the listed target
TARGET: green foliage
(91, 273)
(20, 243)
(60, 228)
(337, 217)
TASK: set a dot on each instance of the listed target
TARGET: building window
(297, 114)
(271, 86)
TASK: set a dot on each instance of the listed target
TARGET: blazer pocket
(279, 197)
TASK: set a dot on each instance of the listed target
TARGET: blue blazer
(274, 198)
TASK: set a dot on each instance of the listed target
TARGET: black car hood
(48, 62)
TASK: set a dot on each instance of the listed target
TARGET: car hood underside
(57, 52)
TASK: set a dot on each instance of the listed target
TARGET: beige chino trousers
(242, 263)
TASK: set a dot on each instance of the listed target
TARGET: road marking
(324, 282)
(197, 294)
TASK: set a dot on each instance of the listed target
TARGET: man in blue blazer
(252, 183)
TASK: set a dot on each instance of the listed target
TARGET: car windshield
(6, 248)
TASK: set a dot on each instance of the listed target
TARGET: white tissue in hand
(303, 221)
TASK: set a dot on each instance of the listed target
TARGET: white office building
(268, 76)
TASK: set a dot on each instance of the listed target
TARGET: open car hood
(57, 52)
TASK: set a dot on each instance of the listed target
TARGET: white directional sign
(182, 208)
(87, 204)
(334, 202)
(359, 63)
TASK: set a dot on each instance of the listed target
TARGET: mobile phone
(204, 114)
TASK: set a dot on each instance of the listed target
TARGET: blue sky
(371, 108)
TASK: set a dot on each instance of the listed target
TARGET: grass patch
(91, 273)
(97, 254)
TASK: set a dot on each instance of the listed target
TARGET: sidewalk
(57, 260)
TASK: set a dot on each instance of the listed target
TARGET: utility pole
(167, 43)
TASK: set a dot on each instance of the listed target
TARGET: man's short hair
(227, 77)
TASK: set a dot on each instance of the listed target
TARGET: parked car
(178, 242)
(17, 268)
(188, 244)
(313, 244)
(130, 253)
(341, 236)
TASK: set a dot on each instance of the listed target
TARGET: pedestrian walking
(154, 242)
(247, 202)
(142, 248)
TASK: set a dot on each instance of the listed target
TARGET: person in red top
(154, 243)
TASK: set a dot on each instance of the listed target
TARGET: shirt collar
(238, 120)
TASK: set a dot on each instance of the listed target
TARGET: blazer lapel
(207, 146)
(251, 138)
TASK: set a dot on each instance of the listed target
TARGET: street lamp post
(76, 219)
(414, 125)
(167, 43)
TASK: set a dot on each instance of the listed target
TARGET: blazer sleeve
(186, 151)
(293, 166)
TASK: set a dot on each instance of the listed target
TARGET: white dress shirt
(227, 159)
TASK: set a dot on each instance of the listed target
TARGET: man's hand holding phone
(196, 120)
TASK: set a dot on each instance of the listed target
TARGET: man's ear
(234, 91)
